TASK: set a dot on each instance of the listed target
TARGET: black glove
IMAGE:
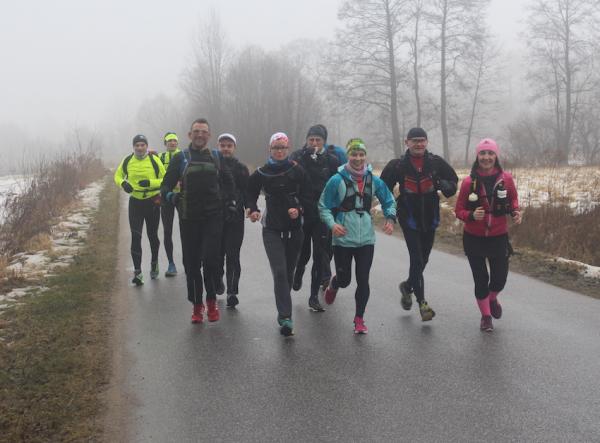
(126, 186)
(231, 210)
(144, 183)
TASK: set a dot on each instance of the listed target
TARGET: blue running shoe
(171, 270)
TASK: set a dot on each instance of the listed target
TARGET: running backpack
(152, 160)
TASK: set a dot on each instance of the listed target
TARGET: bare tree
(366, 64)
(478, 84)
(202, 80)
(561, 35)
(459, 24)
(414, 49)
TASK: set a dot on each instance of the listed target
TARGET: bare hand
(516, 217)
(338, 230)
(388, 227)
(254, 216)
(479, 213)
(293, 213)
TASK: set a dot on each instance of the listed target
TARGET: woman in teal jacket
(345, 207)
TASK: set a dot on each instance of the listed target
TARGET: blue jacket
(359, 225)
(340, 153)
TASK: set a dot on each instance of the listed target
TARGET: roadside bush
(556, 230)
(50, 186)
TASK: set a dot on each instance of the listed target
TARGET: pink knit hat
(487, 144)
(279, 136)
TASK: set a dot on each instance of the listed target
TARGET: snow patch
(67, 237)
(586, 270)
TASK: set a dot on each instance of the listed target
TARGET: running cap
(487, 144)
(279, 136)
(140, 138)
(355, 144)
(227, 136)
(416, 133)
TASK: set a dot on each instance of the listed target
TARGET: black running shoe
(314, 305)
(297, 284)
(232, 300)
(406, 299)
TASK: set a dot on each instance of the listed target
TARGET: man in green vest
(140, 175)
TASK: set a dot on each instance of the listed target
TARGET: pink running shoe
(330, 294)
(198, 315)
(359, 326)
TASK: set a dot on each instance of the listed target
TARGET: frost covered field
(578, 187)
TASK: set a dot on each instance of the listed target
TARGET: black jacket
(204, 193)
(240, 177)
(318, 168)
(418, 204)
(284, 188)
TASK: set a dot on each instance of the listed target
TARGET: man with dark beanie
(139, 174)
(419, 175)
(207, 188)
(319, 166)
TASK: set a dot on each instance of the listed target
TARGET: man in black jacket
(207, 190)
(233, 227)
(419, 175)
(320, 165)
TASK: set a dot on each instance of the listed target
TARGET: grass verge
(54, 353)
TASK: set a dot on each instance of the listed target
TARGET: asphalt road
(535, 378)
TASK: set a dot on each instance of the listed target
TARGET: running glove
(126, 186)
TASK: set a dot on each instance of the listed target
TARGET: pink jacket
(491, 225)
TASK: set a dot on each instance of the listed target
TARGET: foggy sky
(72, 62)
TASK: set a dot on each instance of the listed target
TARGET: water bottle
(501, 206)
(473, 201)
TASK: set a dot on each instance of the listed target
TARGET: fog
(88, 65)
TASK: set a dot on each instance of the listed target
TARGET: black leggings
(200, 241)
(167, 215)
(231, 243)
(363, 257)
(317, 233)
(140, 211)
(492, 281)
(419, 246)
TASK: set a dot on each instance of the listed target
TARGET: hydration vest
(200, 185)
(366, 197)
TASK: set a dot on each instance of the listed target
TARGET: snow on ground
(67, 237)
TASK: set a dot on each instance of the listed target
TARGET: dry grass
(54, 352)
(51, 186)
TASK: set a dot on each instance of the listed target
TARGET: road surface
(535, 378)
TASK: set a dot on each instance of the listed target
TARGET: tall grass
(50, 185)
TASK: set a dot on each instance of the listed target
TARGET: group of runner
(318, 203)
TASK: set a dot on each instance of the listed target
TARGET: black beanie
(140, 138)
(416, 133)
(317, 131)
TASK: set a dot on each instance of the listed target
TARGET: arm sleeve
(388, 175)
(227, 181)
(172, 175)
(119, 174)
(242, 183)
(305, 193)
(386, 198)
(155, 183)
(448, 180)
(461, 210)
(253, 191)
(329, 201)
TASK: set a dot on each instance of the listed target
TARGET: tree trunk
(473, 110)
(443, 98)
(396, 141)
(416, 65)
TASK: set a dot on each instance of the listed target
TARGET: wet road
(533, 379)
